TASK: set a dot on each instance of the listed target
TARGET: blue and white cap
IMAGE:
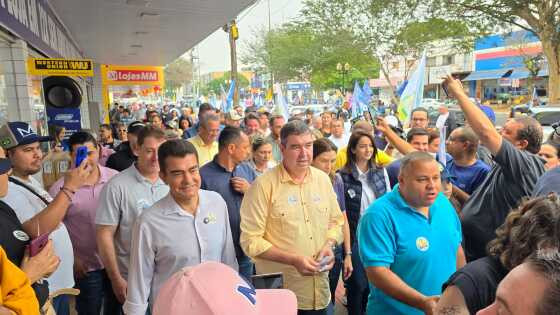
(18, 133)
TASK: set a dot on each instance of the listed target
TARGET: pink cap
(212, 288)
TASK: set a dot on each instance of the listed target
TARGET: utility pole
(233, 32)
(271, 74)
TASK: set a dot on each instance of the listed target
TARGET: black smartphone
(268, 281)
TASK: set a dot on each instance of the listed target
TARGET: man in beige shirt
(205, 141)
(290, 220)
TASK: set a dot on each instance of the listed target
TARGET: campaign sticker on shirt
(210, 218)
(351, 193)
(292, 200)
(21, 235)
(316, 199)
(422, 244)
(142, 204)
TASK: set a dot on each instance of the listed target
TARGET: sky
(214, 50)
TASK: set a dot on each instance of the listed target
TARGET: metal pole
(233, 54)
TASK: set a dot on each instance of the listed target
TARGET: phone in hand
(37, 244)
(325, 261)
(81, 155)
(268, 281)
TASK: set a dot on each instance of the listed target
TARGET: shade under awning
(486, 75)
(523, 73)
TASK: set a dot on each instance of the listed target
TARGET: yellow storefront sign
(60, 67)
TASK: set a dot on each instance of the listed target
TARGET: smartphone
(324, 262)
(37, 244)
(268, 281)
(81, 155)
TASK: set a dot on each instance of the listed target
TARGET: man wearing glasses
(419, 118)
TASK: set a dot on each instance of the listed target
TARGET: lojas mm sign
(131, 75)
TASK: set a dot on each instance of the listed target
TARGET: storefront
(130, 86)
(500, 74)
(31, 29)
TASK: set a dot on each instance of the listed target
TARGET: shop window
(3, 100)
(431, 62)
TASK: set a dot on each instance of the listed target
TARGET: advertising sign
(132, 75)
(69, 118)
(60, 67)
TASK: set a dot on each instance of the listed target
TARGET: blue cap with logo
(18, 133)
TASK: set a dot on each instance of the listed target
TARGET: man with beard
(35, 208)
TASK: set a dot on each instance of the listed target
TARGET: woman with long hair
(57, 134)
(531, 227)
(363, 181)
(324, 157)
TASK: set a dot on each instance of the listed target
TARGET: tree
(297, 51)
(381, 20)
(387, 29)
(178, 73)
(215, 85)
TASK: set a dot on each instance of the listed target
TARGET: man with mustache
(185, 228)
(290, 220)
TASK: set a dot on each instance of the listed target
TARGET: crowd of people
(172, 212)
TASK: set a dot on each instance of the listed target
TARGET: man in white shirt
(185, 228)
(35, 208)
(446, 118)
(338, 136)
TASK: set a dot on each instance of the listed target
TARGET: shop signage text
(34, 22)
(70, 67)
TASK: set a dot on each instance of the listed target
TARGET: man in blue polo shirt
(229, 177)
(410, 241)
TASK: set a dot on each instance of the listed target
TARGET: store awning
(486, 75)
(523, 73)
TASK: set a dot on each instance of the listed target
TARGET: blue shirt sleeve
(376, 238)
(339, 191)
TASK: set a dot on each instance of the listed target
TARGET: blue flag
(442, 155)
(281, 107)
(367, 91)
(357, 101)
(413, 93)
(229, 99)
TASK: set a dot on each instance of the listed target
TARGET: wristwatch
(349, 253)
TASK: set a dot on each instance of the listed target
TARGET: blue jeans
(246, 267)
(111, 305)
(334, 276)
(61, 304)
(91, 287)
(357, 289)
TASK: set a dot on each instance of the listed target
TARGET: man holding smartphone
(39, 212)
(89, 271)
(290, 220)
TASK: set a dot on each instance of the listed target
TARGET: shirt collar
(285, 176)
(104, 174)
(140, 178)
(402, 204)
(172, 207)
